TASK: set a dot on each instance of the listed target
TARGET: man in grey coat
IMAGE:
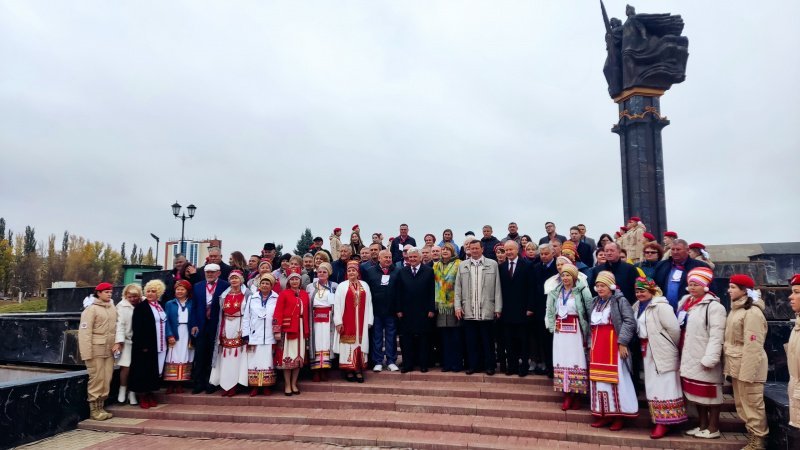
(478, 302)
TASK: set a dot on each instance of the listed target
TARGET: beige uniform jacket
(793, 361)
(745, 331)
(97, 331)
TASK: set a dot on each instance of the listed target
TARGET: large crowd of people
(605, 320)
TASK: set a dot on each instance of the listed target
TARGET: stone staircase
(434, 410)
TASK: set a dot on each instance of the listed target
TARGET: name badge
(384, 280)
(676, 275)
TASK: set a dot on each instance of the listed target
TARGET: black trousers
(479, 336)
(203, 351)
(452, 358)
(542, 349)
(500, 342)
(416, 350)
(517, 346)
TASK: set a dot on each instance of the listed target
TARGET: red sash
(322, 314)
(568, 324)
(699, 388)
(604, 356)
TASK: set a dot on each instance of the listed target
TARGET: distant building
(196, 251)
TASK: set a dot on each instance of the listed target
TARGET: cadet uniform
(96, 336)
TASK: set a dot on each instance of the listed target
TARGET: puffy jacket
(663, 334)
(745, 331)
(702, 342)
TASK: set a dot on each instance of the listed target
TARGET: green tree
(134, 254)
(30, 240)
(6, 265)
(149, 259)
(2, 228)
(122, 253)
(304, 243)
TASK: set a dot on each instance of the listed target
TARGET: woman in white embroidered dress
(568, 307)
(321, 294)
(229, 364)
(258, 336)
(180, 354)
(352, 315)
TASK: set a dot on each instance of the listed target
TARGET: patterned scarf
(445, 289)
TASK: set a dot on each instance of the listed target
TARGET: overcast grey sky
(275, 116)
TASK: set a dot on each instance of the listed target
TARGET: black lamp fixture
(176, 211)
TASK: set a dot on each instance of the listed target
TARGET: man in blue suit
(204, 324)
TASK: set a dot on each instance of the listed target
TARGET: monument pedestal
(639, 130)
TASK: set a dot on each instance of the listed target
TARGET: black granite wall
(41, 407)
(49, 338)
(71, 299)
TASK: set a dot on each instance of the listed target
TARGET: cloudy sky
(276, 116)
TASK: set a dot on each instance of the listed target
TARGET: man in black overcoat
(204, 324)
(517, 281)
(415, 309)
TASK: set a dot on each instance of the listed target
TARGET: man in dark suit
(215, 257)
(624, 272)
(381, 280)
(584, 250)
(340, 265)
(670, 274)
(518, 287)
(542, 342)
(415, 309)
(400, 242)
(204, 325)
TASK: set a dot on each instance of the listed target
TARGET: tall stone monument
(646, 56)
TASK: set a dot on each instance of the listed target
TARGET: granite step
(486, 433)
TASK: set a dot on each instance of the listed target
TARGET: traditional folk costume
(565, 317)
(179, 357)
(322, 297)
(659, 332)
(353, 311)
(229, 365)
(257, 332)
(292, 321)
(611, 386)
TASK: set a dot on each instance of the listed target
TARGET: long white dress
(322, 300)
(345, 350)
(229, 366)
(258, 329)
(178, 366)
(663, 390)
(160, 318)
(570, 372)
(609, 399)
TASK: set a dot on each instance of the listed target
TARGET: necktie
(386, 271)
(414, 270)
(511, 269)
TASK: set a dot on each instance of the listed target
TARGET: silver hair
(512, 242)
(545, 247)
(414, 250)
(680, 242)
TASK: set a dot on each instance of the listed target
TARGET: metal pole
(183, 226)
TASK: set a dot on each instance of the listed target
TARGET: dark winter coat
(415, 299)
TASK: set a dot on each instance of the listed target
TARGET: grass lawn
(27, 305)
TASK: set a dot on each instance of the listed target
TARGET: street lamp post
(176, 211)
(157, 240)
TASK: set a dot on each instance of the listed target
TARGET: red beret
(697, 246)
(337, 229)
(635, 219)
(186, 285)
(743, 280)
(104, 287)
(649, 237)
(355, 226)
(391, 239)
(671, 234)
(795, 280)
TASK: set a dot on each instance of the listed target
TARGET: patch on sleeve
(84, 325)
(752, 337)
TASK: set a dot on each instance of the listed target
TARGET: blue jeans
(384, 327)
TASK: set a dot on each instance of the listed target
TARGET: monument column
(639, 129)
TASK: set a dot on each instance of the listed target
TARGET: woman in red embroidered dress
(291, 327)
(229, 363)
(352, 315)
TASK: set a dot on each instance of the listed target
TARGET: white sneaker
(705, 434)
(123, 391)
(393, 367)
(132, 398)
(692, 432)
(377, 368)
